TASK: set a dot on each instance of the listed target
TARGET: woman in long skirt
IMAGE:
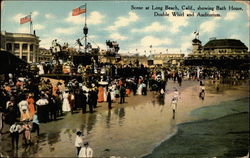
(31, 106)
(139, 90)
(100, 94)
(66, 105)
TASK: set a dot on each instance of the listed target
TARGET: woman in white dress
(41, 70)
(66, 105)
(139, 90)
(105, 94)
(113, 92)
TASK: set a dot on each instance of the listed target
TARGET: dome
(224, 44)
(196, 41)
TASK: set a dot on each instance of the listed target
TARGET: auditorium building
(219, 49)
(220, 53)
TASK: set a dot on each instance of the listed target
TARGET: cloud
(34, 14)
(154, 27)
(92, 37)
(38, 27)
(117, 36)
(211, 25)
(50, 16)
(208, 26)
(177, 21)
(235, 36)
(123, 21)
(23, 29)
(74, 19)
(67, 31)
(18, 16)
(150, 40)
(186, 45)
(188, 37)
(101, 46)
(231, 16)
(247, 4)
(93, 19)
(46, 41)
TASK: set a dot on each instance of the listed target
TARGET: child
(86, 151)
(174, 106)
(15, 129)
(202, 94)
(27, 132)
(35, 124)
(78, 142)
(176, 95)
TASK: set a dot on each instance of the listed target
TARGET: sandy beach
(133, 129)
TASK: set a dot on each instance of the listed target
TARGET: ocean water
(222, 130)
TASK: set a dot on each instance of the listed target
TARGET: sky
(136, 30)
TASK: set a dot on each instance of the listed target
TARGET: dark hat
(86, 143)
(78, 133)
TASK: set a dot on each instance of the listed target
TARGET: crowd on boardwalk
(26, 101)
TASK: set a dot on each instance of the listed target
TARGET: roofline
(4, 33)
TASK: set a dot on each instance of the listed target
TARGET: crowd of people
(27, 100)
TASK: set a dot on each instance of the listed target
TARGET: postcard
(124, 79)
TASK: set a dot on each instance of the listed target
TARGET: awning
(10, 63)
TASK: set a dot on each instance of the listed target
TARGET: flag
(79, 10)
(25, 19)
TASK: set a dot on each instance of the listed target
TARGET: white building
(23, 45)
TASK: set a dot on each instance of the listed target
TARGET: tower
(196, 43)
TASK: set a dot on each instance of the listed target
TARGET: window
(16, 46)
(25, 46)
(24, 58)
(31, 47)
(31, 57)
(9, 47)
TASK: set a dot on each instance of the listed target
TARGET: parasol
(103, 83)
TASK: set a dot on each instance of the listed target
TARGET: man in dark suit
(91, 101)
(84, 101)
(109, 100)
(122, 94)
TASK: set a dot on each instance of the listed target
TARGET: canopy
(10, 63)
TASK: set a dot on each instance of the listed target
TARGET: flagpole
(86, 28)
(30, 23)
(86, 14)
